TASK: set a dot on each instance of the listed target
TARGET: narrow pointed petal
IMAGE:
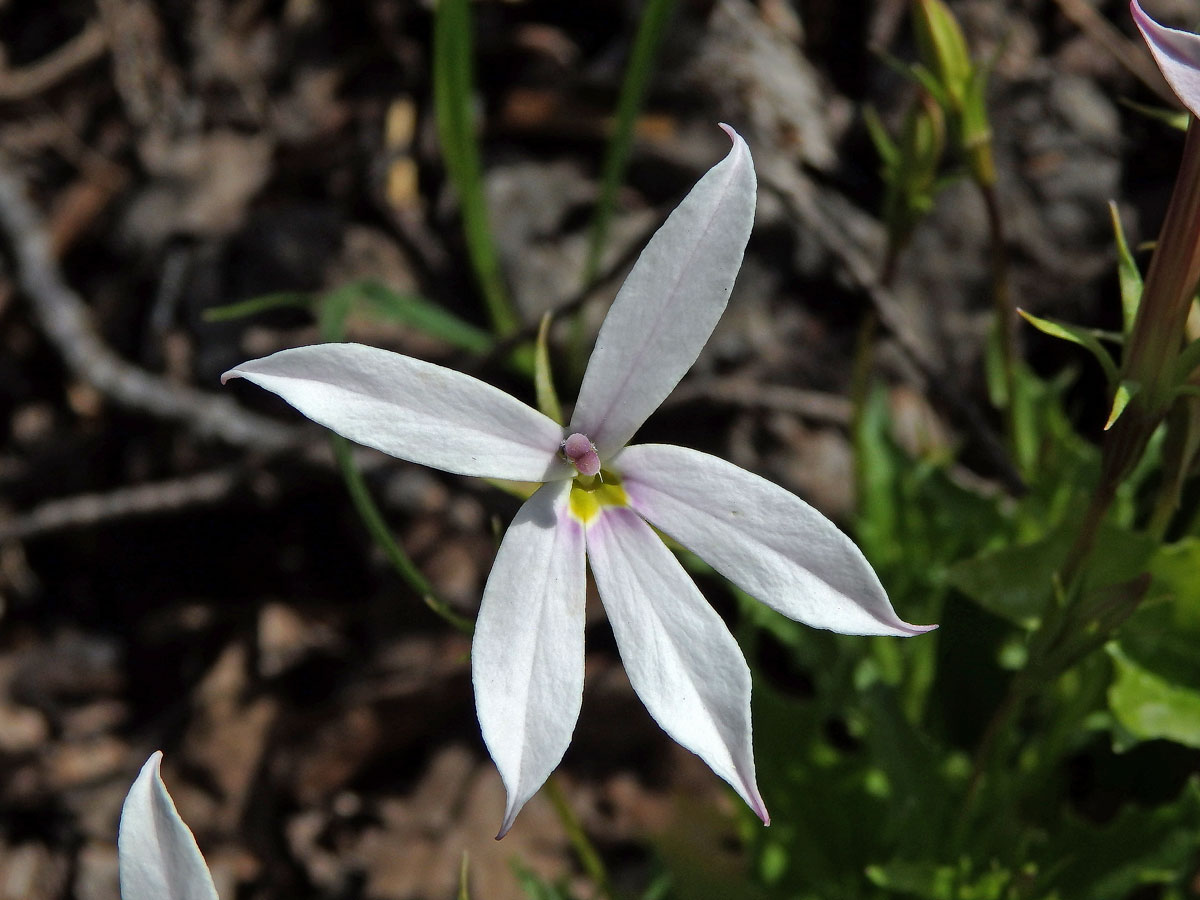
(159, 859)
(766, 540)
(669, 304)
(414, 410)
(527, 656)
(681, 659)
(1177, 54)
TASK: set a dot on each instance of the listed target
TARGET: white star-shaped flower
(158, 856)
(596, 502)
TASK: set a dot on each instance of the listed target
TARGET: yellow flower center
(590, 493)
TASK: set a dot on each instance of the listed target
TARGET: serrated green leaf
(1129, 275)
(1084, 337)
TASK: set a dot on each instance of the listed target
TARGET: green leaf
(1149, 707)
(653, 24)
(543, 379)
(1164, 634)
(1128, 274)
(936, 881)
(929, 81)
(942, 48)
(889, 152)
(1125, 392)
(1084, 337)
(453, 77)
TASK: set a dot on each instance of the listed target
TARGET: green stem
(1005, 318)
(1158, 329)
(589, 857)
(372, 518)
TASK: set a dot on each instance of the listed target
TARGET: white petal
(681, 659)
(527, 656)
(669, 304)
(413, 409)
(767, 541)
(1177, 54)
(159, 859)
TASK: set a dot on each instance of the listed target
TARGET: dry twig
(818, 406)
(137, 500)
(66, 321)
(21, 84)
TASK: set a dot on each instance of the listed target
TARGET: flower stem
(372, 518)
(1170, 286)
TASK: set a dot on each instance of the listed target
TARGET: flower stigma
(591, 493)
(581, 453)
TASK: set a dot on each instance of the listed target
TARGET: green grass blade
(633, 90)
(256, 305)
(1130, 277)
(425, 316)
(452, 97)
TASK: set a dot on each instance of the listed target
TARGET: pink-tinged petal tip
(760, 810)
